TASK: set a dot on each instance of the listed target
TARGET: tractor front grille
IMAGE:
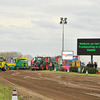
(24, 64)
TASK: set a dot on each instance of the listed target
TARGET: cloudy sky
(32, 26)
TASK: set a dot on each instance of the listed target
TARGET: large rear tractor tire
(46, 66)
(41, 67)
(3, 69)
(32, 69)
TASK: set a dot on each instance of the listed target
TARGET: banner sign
(89, 46)
(67, 55)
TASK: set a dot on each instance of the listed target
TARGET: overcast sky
(32, 26)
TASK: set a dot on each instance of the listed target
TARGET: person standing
(91, 64)
(95, 64)
(50, 66)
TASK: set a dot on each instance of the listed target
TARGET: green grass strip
(5, 92)
(76, 73)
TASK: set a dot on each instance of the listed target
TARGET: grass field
(74, 73)
(6, 93)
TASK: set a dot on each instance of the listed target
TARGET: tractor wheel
(7, 67)
(16, 67)
(3, 69)
(32, 69)
(46, 66)
(41, 67)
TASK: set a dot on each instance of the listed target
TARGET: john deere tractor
(46, 62)
(41, 63)
(2, 63)
(37, 64)
(18, 63)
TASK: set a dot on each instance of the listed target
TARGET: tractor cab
(2, 63)
(13, 60)
(39, 58)
(2, 59)
(23, 60)
(47, 59)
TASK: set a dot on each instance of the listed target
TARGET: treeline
(9, 55)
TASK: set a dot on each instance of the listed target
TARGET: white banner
(67, 55)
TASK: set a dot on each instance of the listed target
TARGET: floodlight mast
(63, 21)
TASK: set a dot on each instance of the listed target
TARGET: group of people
(92, 65)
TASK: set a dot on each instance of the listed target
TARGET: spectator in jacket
(89, 65)
(95, 64)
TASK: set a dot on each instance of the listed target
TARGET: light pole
(63, 21)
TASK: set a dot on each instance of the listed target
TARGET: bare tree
(28, 56)
(9, 55)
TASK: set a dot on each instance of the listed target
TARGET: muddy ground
(43, 85)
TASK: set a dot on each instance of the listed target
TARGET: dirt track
(43, 85)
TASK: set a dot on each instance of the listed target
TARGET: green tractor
(37, 64)
(46, 62)
(41, 63)
(17, 63)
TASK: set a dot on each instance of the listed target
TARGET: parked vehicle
(2, 63)
(17, 63)
(41, 63)
(38, 63)
(46, 62)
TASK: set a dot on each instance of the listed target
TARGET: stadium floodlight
(63, 21)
